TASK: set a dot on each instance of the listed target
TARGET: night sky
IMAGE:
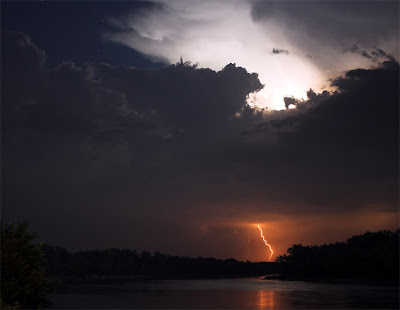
(287, 117)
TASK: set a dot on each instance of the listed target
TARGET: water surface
(253, 293)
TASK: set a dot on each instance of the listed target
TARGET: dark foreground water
(251, 293)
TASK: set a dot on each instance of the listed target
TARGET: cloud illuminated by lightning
(265, 241)
(214, 33)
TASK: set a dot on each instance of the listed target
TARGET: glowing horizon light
(266, 243)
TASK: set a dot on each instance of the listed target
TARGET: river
(249, 293)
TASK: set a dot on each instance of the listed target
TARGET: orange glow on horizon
(266, 243)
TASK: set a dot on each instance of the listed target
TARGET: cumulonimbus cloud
(162, 151)
(215, 33)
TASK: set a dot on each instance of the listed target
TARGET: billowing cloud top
(214, 33)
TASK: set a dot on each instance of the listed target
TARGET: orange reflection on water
(266, 299)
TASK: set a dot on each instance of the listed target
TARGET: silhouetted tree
(23, 282)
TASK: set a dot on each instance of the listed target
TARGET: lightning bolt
(265, 241)
(248, 242)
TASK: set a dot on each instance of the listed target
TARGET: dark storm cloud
(375, 55)
(289, 101)
(357, 50)
(181, 95)
(280, 51)
(326, 28)
(334, 20)
(347, 140)
(378, 53)
(98, 130)
(100, 98)
(133, 149)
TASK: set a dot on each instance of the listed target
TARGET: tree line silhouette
(116, 262)
(371, 258)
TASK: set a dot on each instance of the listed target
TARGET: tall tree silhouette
(23, 281)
